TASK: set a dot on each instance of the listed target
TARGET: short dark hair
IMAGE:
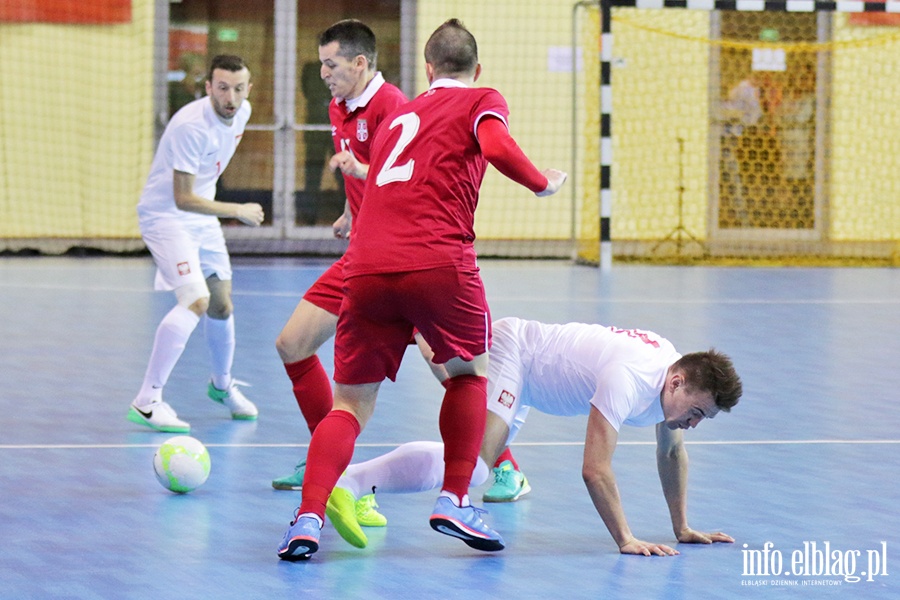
(354, 38)
(712, 372)
(227, 62)
(452, 50)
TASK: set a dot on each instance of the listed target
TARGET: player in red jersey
(411, 265)
(361, 99)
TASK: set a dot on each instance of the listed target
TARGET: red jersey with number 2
(422, 188)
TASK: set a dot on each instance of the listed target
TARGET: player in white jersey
(615, 376)
(179, 221)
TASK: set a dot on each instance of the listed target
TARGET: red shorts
(328, 291)
(446, 305)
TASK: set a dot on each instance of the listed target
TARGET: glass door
(318, 198)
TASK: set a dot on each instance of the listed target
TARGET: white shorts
(505, 377)
(186, 255)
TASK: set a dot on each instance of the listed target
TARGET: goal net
(97, 80)
(763, 135)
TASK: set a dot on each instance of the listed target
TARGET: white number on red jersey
(389, 173)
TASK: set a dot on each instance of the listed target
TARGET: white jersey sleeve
(630, 382)
(617, 394)
(191, 143)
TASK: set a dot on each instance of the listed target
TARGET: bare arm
(185, 199)
(341, 227)
(599, 445)
(672, 464)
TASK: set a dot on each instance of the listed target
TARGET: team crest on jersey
(362, 130)
(184, 268)
(506, 399)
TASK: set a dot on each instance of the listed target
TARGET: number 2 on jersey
(389, 173)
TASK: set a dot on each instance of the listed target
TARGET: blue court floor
(803, 473)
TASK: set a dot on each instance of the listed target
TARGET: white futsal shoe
(241, 408)
(159, 416)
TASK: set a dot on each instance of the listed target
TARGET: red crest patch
(506, 399)
(362, 130)
(184, 268)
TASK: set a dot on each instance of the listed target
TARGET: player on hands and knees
(615, 376)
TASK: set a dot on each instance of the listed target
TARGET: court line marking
(498, 298)
(394, 445)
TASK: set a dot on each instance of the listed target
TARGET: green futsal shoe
(341, 511)
(509, 484)
(366, 515)
(294, 481)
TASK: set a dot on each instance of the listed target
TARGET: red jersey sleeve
(502, 151)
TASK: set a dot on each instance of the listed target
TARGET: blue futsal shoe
(465, 523)
(300, 540)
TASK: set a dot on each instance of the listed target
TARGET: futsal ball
(181, 464)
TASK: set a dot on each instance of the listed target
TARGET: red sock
(329, 454)
(312, 389)
(507, 455)
(462, 419)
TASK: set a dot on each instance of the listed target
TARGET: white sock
(220, 341)
(412, 467)
(455, 499)
(172, 335)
